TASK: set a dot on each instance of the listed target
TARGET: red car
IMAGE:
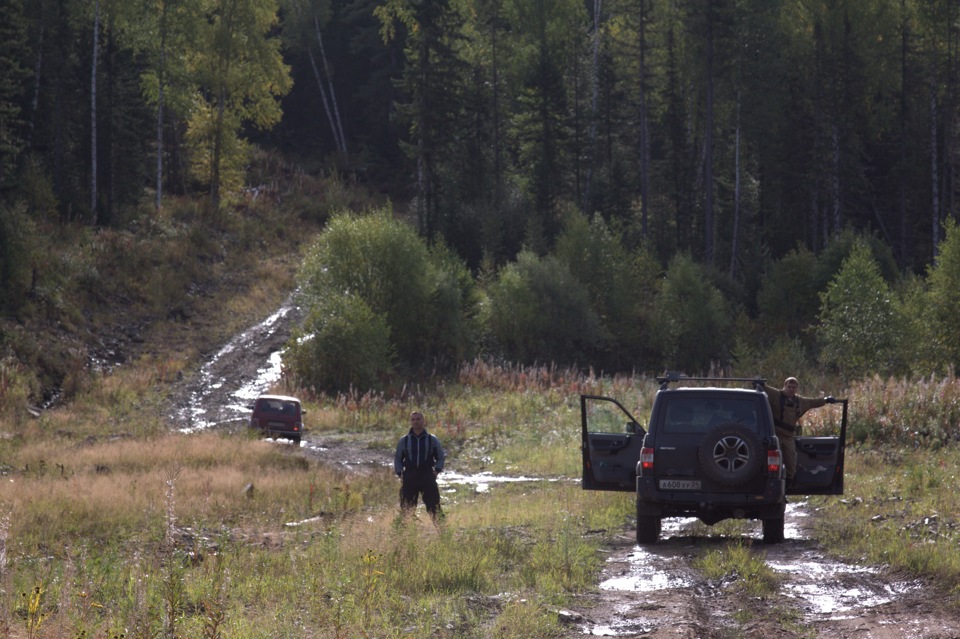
(278, 416)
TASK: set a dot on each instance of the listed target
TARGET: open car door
(610, 443)
(820, 462)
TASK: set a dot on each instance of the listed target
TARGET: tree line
(737, 133)
(383, 304)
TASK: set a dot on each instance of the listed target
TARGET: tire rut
(655, 592)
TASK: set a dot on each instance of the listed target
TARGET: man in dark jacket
(788, 407)
(418, 461)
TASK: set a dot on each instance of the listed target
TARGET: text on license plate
(679, 484)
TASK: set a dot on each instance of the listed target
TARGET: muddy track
(655, 592)
(652, 591)
(219, 392)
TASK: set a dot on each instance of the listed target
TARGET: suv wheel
(731, 455)
(648, 528)
(773, 530)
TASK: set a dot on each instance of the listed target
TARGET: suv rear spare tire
(731, 455)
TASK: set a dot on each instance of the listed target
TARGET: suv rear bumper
(711, 507)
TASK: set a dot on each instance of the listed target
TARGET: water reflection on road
(481, 481)
(821, 588)
(238, 373)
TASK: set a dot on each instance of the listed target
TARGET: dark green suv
(709, 452)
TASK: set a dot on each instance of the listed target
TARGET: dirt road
(654, 592)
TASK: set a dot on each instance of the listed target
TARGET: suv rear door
(611, 439)
(820, 462)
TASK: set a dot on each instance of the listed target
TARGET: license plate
(277, 425)
(679, 484)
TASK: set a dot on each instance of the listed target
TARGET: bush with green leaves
(783, 357)
(424, 296)
(789, 298)
(860, 321)
(691, 318)
(831, 259)
(618, 283)
(944, 298)
(17, 232)
(538, 312)
(919, 349)
(343, 345)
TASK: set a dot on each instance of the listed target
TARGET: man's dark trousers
(420, 481)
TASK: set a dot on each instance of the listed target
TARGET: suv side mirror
(632, 428)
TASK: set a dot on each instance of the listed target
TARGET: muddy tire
(731, 455)
(648, 527)
(773, 530)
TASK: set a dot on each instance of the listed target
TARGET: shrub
(16, 233)
(859, 320)
(944, 297)
(787, 301)
(618, 284)
(782, 358)
(691, 318)
(344, 344)
(919, 349)
(425, 298)
(538, 311)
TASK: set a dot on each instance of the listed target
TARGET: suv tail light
(773, 461)
(646, 459)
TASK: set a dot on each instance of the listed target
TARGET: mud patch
(654, 592)
(222, 390)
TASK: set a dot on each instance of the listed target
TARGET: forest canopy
(783, 154)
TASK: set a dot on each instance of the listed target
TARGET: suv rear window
(276, 407)
(702, 414)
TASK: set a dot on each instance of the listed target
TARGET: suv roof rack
(676, 378)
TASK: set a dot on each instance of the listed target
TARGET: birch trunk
(736, 197)
(644, 126)
(93, 112)
(341, 139)
(934, 173)
(708, 239)
(594, 99)
(323, 96)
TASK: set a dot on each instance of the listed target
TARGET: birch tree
(241, 76)
(303, 30)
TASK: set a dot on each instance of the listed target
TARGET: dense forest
(729, 141)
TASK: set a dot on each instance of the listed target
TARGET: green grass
(110, 525)
(152, 533)
(900, 509)
(738, 565)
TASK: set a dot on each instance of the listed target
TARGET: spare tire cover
(731, 454)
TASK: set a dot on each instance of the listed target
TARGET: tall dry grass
(116, 529)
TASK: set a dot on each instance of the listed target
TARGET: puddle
(481, 481)
(821, 586)
(831, 588)
(648, 572)
(623, 625)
